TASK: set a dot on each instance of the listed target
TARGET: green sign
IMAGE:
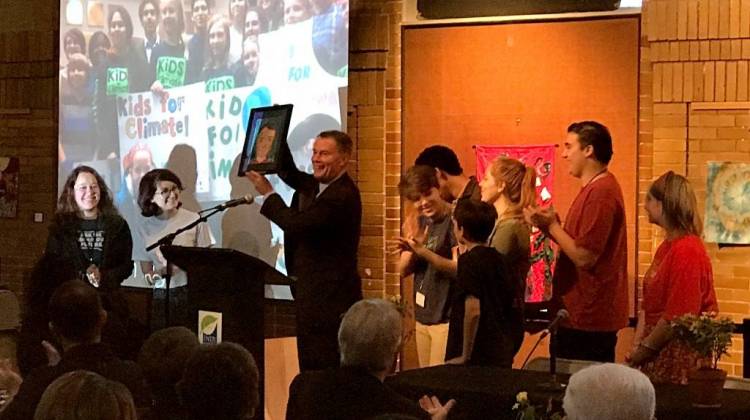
(220, 83)
(170, 71)
(117, 81)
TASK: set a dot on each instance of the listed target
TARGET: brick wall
(28, 127)
(694, 93)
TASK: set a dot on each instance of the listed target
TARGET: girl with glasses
(159, 200)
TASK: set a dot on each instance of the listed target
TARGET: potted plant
(710, 337)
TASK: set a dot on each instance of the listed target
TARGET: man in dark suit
(369, 339)
(321, 237)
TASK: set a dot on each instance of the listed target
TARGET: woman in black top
(88, 240)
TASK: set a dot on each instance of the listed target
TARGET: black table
(483, 392)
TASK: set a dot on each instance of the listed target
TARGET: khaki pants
(431, 343)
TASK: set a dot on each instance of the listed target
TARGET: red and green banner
(543, 250)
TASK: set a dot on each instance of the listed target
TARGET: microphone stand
(553, 384)
(167, 240)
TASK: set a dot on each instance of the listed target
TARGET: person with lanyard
(88, 240)
(454, 184)
(168, 62)
(590, 280)
(426, 250)
(88, 235)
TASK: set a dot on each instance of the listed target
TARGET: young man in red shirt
(591, 275)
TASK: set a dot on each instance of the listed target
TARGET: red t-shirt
(679, 281)
(596, 298)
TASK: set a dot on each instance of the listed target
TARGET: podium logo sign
(209, 327)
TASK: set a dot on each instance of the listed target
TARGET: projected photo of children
(154, 84)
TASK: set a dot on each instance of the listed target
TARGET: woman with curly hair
(88, 236)
(90, 241)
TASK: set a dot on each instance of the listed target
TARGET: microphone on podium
(552, 327)
(247, 199)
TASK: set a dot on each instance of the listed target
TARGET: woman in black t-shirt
(88, 240)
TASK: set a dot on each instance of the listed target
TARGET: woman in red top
(678, 282)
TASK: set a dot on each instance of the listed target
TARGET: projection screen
(171, 83)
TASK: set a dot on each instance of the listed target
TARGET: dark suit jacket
(321, 237)
(345, 393)
(97, 358)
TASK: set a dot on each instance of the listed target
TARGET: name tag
(419, 300)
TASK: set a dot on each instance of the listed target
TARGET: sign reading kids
(170, 71)
(117, 81)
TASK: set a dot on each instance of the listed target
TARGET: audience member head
(163, 358)
(609, 391)
(587, 147)
(671, 204)
(120, 28)
(98, 46)
(446, 164)
(159, 191)
(202, 10)
(85, 194)
(220, 382)
(148, 13)
(84, 395)
(420, 186)
(172, 20)
(473, 221)
(370, 336)
(331, 152)
(296, 11)
(509, 179)
(74, 42)
(218, 42)
(10, 381)
(76, 314)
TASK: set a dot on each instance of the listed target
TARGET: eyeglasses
(166, 193)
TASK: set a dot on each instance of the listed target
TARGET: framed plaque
(267, 129)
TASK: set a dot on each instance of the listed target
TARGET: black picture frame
(265, 122)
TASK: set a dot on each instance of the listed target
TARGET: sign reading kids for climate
(162, 122)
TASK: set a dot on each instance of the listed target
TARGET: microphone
(247, 199)
(552, 327)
